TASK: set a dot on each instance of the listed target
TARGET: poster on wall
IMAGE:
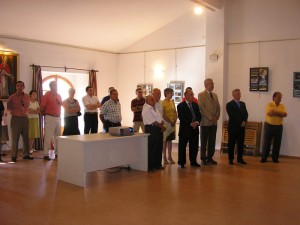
(259, 79)
(296, 84)
(8, 74)
(147, 88)
(177, 87)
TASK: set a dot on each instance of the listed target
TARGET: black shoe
(241, 162)
(263, 161)
(14, 159)
(213, 162)
(275, 161)
(47, 158)
(195, 164)
(181, 166)
(159, 168)
(27, 157)
(230, 162)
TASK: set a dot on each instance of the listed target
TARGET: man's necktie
(211, 96)
(192, 111)
(239, 104)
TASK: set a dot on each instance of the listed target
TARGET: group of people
(25, 121)
(159, 118)
(150, 114)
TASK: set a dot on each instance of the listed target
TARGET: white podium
(80, 154)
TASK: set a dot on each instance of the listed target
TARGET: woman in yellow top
(170, 118)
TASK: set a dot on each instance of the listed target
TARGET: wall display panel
(296, 84)
(259, 79)
(178, 87)
(147, 88)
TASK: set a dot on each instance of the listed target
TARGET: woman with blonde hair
(170, 118)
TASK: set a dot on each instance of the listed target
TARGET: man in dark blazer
(190, 117)
(238, 117)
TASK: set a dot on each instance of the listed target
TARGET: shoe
(213, 162)
(203, 162)
(151, 170)
(171, 161)
(14, 159)
(263, 161)
(31, 151)
(275, 161)
(181, 166)
(230, 162)
(195, 164)
(159, 168)
(47, 158)
(28, 157)
(241, 162)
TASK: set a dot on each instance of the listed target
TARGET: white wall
(53, 55)
(271, 20)
(190, 69)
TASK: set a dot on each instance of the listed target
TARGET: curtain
(93, 80)
(37, 86)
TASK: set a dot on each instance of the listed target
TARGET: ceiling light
(203, 4)
(198, 10)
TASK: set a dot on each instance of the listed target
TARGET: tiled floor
(258, 194)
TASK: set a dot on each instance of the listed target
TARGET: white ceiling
(108, 25)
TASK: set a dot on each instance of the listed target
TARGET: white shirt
(150, 115)
(88, 100)
(34, 106)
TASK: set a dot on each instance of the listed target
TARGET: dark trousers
(109, 124)
(193, 141)
(90, 123)
(272, 133)
(19, 127)
(208, 141)
(236, 134)
(71, 126)
(155, 144)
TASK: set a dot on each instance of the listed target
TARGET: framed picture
(296, 84)
(147, 88)
(8, 74)
(259, 79)
(178, 88)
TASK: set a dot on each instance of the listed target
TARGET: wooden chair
(252, 137)
(224, 142)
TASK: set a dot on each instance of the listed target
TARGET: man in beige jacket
(210, 111)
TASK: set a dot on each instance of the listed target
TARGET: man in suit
(190, 117)
(210, 111)
(238, 116)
